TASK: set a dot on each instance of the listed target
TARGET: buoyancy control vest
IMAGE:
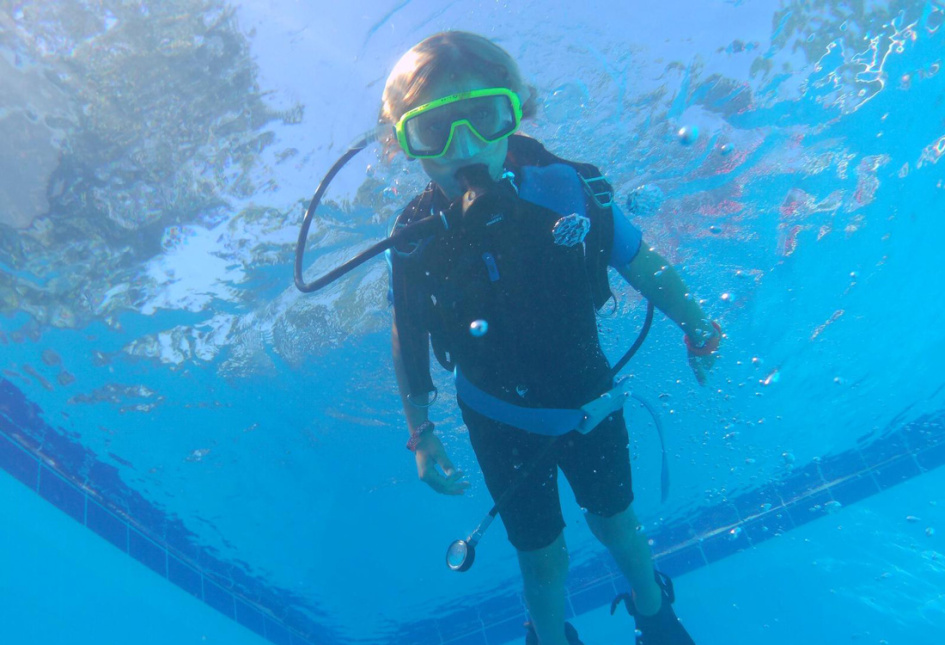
(503, 269)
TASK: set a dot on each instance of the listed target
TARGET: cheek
(497, 156)
(436, 167)
(493, 156)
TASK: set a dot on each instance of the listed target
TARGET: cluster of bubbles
(645, 200)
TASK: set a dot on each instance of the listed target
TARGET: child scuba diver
(509, 296)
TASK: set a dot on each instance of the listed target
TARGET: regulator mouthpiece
(475, 181)
(474, 177)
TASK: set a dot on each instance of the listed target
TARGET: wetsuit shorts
(597, 466)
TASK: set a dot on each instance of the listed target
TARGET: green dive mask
(426, 132)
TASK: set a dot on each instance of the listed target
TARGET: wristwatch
(417, 433)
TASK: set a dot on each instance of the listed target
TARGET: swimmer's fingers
(430, 454)
(452, 484)
(701, 364)
(696, 365)
(455, 483)
(706, 362)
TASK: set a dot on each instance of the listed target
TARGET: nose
(465, 144)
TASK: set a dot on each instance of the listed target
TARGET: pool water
(169, 396)
(869, 573)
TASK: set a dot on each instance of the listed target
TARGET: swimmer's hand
(430, 454)
(700, 365)
(702, 357)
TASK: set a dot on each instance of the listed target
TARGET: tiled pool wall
(70, 477)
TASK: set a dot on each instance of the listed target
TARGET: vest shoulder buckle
(599, 190)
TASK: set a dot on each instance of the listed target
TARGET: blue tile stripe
(746, 520)
(21, 427)
(42, 459)
(75, 502)
(106, 524)
(19, 463)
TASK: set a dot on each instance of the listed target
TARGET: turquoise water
(864, 575)
(148, 218)
(62, 582)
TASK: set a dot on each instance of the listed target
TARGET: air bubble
(566, 102)
(688, 135)
(478, 328)
(645, 200)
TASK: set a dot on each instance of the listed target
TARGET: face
(466, 149)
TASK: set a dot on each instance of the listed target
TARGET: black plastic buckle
(602, 198)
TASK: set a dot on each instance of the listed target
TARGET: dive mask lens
(426, 131)
(491, 117)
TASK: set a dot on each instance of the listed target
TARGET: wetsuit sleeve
(409, 301)
(627, 240)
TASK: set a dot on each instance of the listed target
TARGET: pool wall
(89, 493)
(63, 584)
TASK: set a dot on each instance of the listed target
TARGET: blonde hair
(446, 56)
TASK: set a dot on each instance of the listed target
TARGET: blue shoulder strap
(562, 185)
(556, 187)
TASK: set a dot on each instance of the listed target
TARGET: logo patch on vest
(571, 230)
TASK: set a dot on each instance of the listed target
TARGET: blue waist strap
(551, 422)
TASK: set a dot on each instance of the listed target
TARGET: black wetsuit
(501, 265)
